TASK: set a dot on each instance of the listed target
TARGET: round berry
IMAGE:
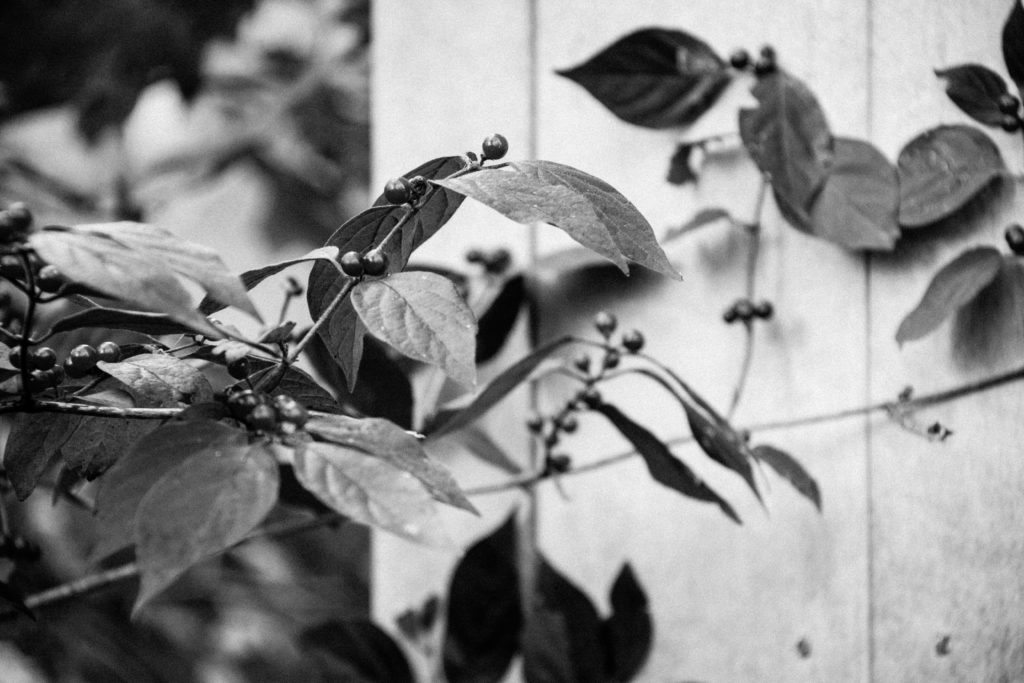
(611, 359)
(764, 67)
(1010, 123)
(241, 403)
(262, 418)
(351, 264)
(559, 463)
(81, 359)
(498, 261)
(374, 263)
(419, 186)
(290, 411)
(764, 310)
(11, 266)
(582, 362)
(605, 323)
(740, 59)
(43, 358)
(1008, 104)
(239, 368)
(398, 191)
(49, 279)
(110, 352)
(40, 380)
(495, 146)
(1014, 237)
(568, 424)
(15, 222)
(57, 373)
(535, 424)
(475, 256)
(744, 309)
(633, 341)
(730, 315)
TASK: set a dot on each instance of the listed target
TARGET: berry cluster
(46, 372)
(745, 310)
(1009, 107)
(354, 264)
(495, 262)
(764, 65)
(15, 223)
(262, 413)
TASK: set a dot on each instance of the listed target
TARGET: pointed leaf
(954, 285)
(297, 383)
(629, 631)
(989, 329)
(33, 443)
(497, 321)
(201, 507)
(590, 210)
(117, 319)
(654, 77)
(787, 467)
(857, 207)
(480, 444)
(160, 379)
(1013, 44)
(664, 467)
(423, 316)
(699, 220)
(369, 490)
(343, 333)
(357, 651)
(722, 444)
(942, 169)
(976, 90)
(484, 610)
(680, 170)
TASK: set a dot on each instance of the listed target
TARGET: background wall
(917, 540)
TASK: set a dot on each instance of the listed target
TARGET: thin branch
(318, 323)
(48, 406)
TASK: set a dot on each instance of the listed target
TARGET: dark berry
(730, 315)
(498, 261)
(582, 362)
(241, 403)
(495, 146)
(633, 341)
(40, 380)
(263, 418)
(1009, 104)
(398, 191)
(374, 263)
(744, 309)
(49, 279)
(419, 186)
(605, 323)
(43, 358)
(110, 352)
(14, 222)
(351, 264)
(611, 359)
(239, 368)
(290, 411)
(568, 424)
(559, 463)
(1010, 123)
(590, 397)
(1014, 237)
(475, 256)
(764, 67)
(764, 310)
(11, 267)
(535, 424)
(82, 359)
(740, 59)
(57, 373)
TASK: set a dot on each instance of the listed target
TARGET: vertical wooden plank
(947, 556)
(729, 603)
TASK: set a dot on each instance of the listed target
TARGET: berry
(535, 424)
(419, 186)
(497, 262)
(43, 358)
(1010, 123)
(568, 424)
(351, 264)
(239, 368)
(57, 374)
(49, 279)
(611, 359)
(14, 222)
(633, 341)
(475, 256)
(766, 62)
(81, 360)
(495, 146)
(241, 403)
(40, 380)
(730, 315)
(582, 362)
(294, 288)
(374, 263)
(11, 267)
(1014, 238)
(764, 310)
(559, 463)
(290, 411)
(109, 352)
(590, 397)
(1008, 104)
(605, 323)
(740, 59)
(398, 191)
(262, 418)
(744, 309)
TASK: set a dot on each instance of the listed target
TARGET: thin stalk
(319, 322)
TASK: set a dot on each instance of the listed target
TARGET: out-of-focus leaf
(954, 285)
(792, 471)
(497, 321)
(721, 444)
(357, 651)
(857, 207)
(1013, 44)
(664, 467)
(680, 170)
(942, 169)
(629, 631)
(477, 442)
(423, 316)
(99, 442)
(160, 379)
(988, 330)
(199, 508)
(699, 220)
(33, 443)
(484, 610)
(657, 78)
(13, 597)
(976, 90)
(117, 319)
(590, 210)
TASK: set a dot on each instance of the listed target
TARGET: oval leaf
(423, 316)
(117, 319)
(976, 90)
(99, 442)
(32, 444)
(722, 445)
(941, 170)
(497, 321)
(954, 285)
(159, 379)
(792, 471)
(629, 631)
(1013, 44)
(699, 220)
(654, 77)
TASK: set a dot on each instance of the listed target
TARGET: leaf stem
(26, 329)
(318, 323)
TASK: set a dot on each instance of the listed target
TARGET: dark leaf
(942, 169)
(295, 382)
(423, 316)
(654, 77)
(99, 442)
(628, 632)
(792, 471)
(199, 508)
(497, 321)
(680, 170)
(1013, 44)
(788, 138)
(117, 319)
(721, 444)
(357, 651)
(664, 467)
(279, 334)
(590, 210)
(700, 219)
(484, 610)
(33, 443)
(15, 599)
(976, 90)
(477, 442)
(954, 285)
(857, 207)
(498, 388)
(988, 330)
(160, 379)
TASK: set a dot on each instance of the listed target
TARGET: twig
(318, 323)
(48, 406)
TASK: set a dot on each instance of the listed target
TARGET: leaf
(680, 170)
(789, 140)
(357, 651)
(858, 205)
(954, 285)
(699, 220)
(160, 379)
(628, 632)
(484, 610)
(976, 90)
(387, 441)
(16, 599)
(122, 488)
(498, 388)
(297, 383)
(590, 210)
(99, 442)
(989, 329)
(199, 508)
(1013, 44)
(941, 170)
(664, 467)
(117, 319)
(480, 444)
(107, 266)
(722, 445)
(654, 77)
(423, 316)
(33, 443)
(497, 321)
(278, 334)
(792, 471)
(369, 490)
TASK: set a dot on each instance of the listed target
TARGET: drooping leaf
(722, 444)
(357, 651)
(857, 207)
(664, 467)
(989, 329)
(369, 490)
(297, 383)
(498, 388)
(387, 441)
(1013, 44)
(423, 316)
(787, 467)
(480, 444)
(942, 169)
(954, 285)
(199, 508)
(343, 334)
(629, 631)
(278, 334)
(117, 319)
(160, 379)
(976, 90)
(99, 442)
(154, 455)
(657, 78)
(484, 610)
(33, 443)
(590, 210)
(699, 220)
(789, 140)
(497, 321)
(680, 170)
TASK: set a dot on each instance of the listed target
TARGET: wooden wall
(917, 540)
